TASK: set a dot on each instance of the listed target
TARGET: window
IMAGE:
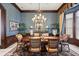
(72, 24)
(77, 24)
(69, 24)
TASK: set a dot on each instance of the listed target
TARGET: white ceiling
(35, 6)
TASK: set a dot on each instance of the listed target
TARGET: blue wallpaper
(27, 19)
(12, 14)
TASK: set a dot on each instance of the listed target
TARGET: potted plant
(56, 26)
(22, 28)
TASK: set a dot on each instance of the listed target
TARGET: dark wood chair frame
(53, 47)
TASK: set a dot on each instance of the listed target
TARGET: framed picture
(14, 26)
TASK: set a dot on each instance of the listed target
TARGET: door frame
(3, 17)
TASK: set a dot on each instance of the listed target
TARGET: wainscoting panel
(10, 40)
(74, 41)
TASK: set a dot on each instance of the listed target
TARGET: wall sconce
(31, 30)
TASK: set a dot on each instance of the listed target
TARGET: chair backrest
(65, 37)
(45, 34)
(53, 43)
(36, 34)
(35, 43)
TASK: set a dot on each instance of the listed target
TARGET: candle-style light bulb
(44, 19)
(35, 15)
(40, 14)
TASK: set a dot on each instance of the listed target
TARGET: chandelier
(39, 20)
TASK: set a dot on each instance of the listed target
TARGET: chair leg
(30, 53)
(61, 47)
(49, 54)
(68, 49)
(57, 53)
(65, 45)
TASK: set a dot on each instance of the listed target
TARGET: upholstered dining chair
(19, 44)
(52, 46)
(35, 45)
(45, 35)
(36, 34)
(64, 42)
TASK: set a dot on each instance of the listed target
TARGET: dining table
(44, 41)
(44, 37)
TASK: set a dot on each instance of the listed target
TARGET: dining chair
(36, 34)
(52, 46)
(64, 42)
(35, 45)
(19, 44)
(45, 35)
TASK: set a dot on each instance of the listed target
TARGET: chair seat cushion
(64, 43)
(52, 49)
(35, 49)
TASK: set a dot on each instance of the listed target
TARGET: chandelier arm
(39, 11)
(39, 19)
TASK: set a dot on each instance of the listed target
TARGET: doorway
(3, 40)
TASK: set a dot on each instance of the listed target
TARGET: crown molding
(61, 6)
(33, 11)
(16, 7)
